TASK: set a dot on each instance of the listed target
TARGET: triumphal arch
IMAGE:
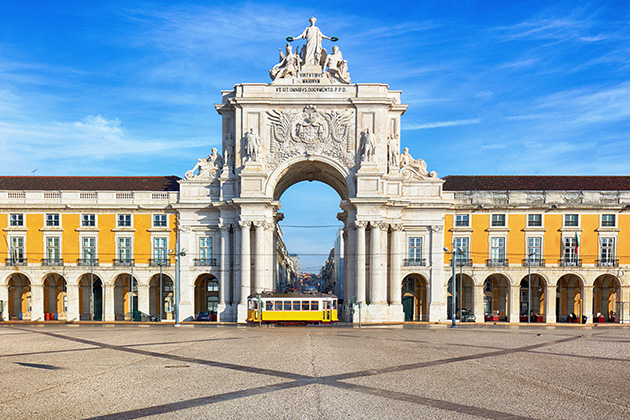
(312, 123)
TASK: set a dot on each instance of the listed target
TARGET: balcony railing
(160, 262)
(415, 262)
(127, 262)
(462, 262)
(206, 262)
(570, 262)
(534, 262)
(497, 262)
(87, 262)
(15, 261)
(52, 262)
(608, 262)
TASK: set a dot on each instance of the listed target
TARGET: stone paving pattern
(230, 372)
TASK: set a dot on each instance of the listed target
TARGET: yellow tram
(294, 308)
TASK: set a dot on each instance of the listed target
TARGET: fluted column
(360, 260)
(378, 278)
(224, 269)
(395, 282)
(245, 286)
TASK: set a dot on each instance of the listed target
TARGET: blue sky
(493, 87)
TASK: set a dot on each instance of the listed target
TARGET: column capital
(379, 225)
(245, 224)
(360, 224)
(437, 228)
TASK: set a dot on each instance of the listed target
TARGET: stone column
(72, 302)
(395, 282)
(439, 274)
(360, 260)
(224, 269)
(378, 277)
(109, 298)
(143, 298)
(268, 256)
(259, 257)
(550, 299)
(37, 302)
(515, 294)
(587, 304)
(245, 286)
(478, 303)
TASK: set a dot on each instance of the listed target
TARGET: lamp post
(91, 285)
(177, 254)
(529, 287)
(455, 251)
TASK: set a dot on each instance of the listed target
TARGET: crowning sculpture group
(312, 58)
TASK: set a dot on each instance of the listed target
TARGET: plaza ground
(241, 372)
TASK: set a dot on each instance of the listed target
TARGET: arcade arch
(569, 292)
(91, 301)
(415, 298)
(19, 297)
(206, 294)
(606, 298)
(125, 294)
(496, 298)
(161, 296)
(55, 295)
(538, 309)
(464, 294)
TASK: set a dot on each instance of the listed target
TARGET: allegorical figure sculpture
(368, 145)
(392, 153)
(207, 167)
(312, 50)
(410, 167)
(289, 65)
(336, 66)
(252, 146)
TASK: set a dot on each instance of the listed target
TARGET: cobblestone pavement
(230, 372)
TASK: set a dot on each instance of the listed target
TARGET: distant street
(230, 372)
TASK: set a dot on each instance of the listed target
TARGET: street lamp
(455, 251)
(177, 255)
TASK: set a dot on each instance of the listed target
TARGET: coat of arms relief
(310, 132)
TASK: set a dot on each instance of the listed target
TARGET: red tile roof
(90, 183)
(536, 183)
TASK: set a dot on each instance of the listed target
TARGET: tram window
(296, 305)
(251, 305)
(278, 305)
(255, 305)
(327, 304)
(269, 305)
(305, 305)
(335, 302)
(314, 305)
(287, 305)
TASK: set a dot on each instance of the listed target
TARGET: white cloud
(439, 124)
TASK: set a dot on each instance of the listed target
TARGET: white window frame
(206, 258)
(564, 220)
(118, 220)
(492, 216)
(83, 220)
(567, 258)
(535, 258)
(163, 251)
(610, 259)
(84, 256)
(118, 248)
(601, 221)
(496, 259)
(10, 219)
(155, 216)
(47, 254)
(11, 247)
(47, 220)
(456, 223)
(415, 251)
(466, 255)
(542, 222)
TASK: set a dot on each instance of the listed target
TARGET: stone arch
(19, 304)
(206, 294)
(606, 298)
(310, 168)
(539, 301)
(464, 293)
(569, 293)
(55, 295)
(496, 297)
(124, 297)
(415, 297)
(91, 291)
(161, 296)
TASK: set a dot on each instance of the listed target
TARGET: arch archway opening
(464, 297)
(125, 297)
(161, 296)
(606, 298)
(415, 298)
(206, 297)
(91, 297)
(496, 298)
(536, 312)
(55, 297)
(569, 292)
(19, 297)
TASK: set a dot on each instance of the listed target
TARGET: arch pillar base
(437, 311)
(378, 313)
(186, 311)
(226, 312)
(241, 313)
